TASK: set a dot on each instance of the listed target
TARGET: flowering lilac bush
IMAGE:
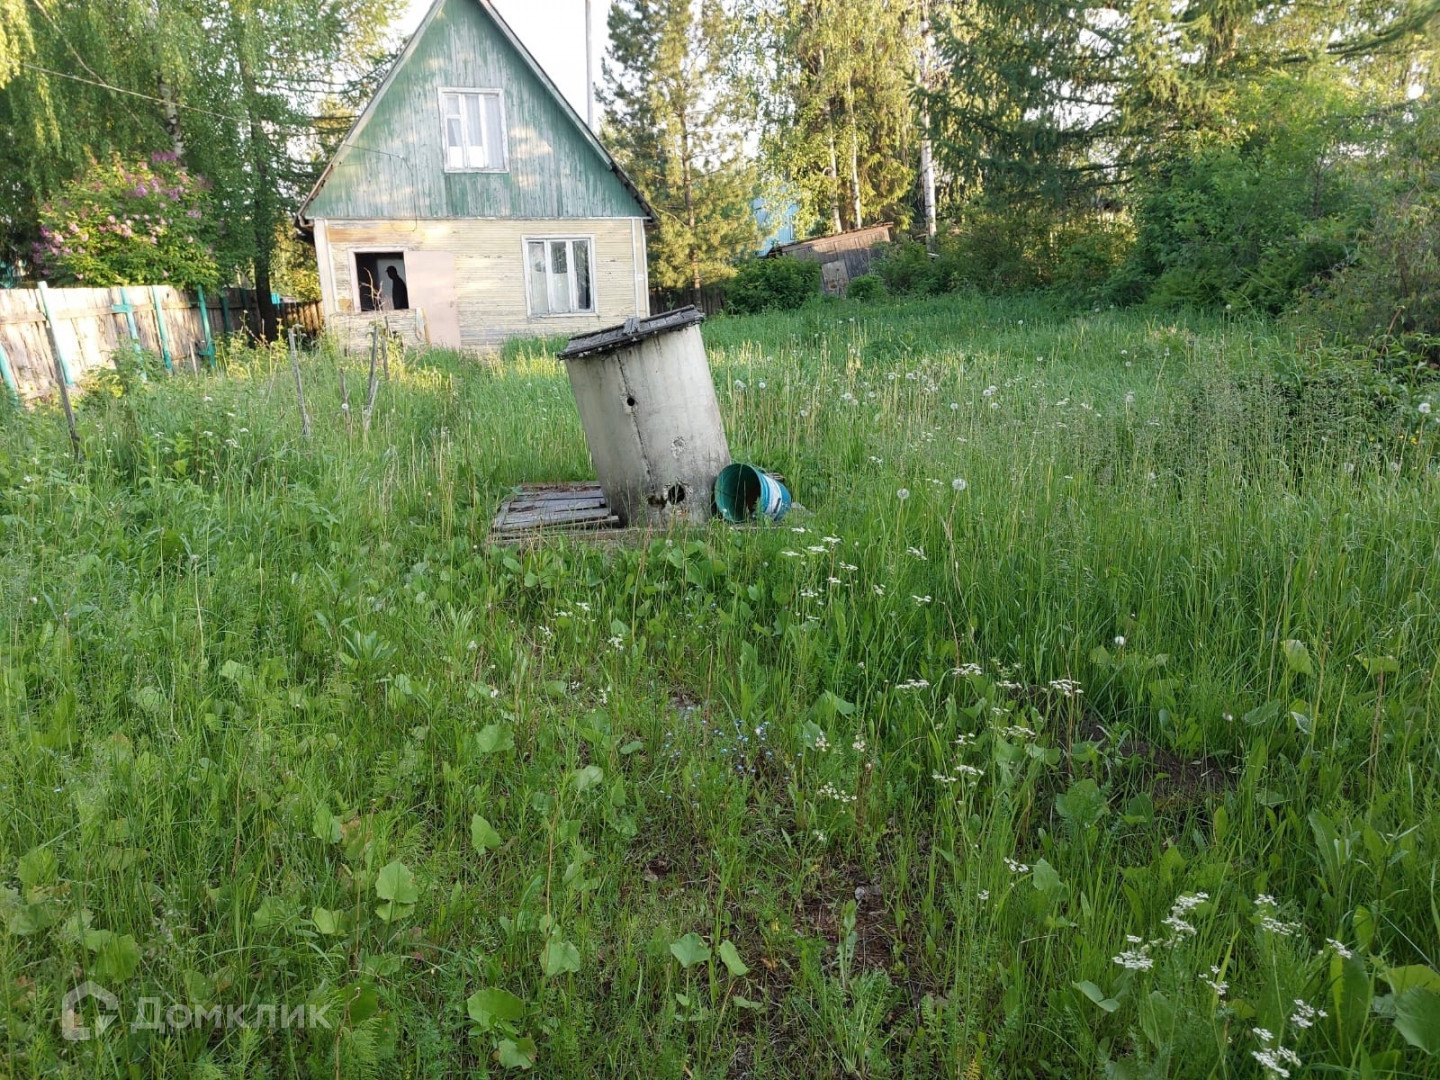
(129, 223)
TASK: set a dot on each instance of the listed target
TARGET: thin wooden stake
(194, 364)
(63, 383)
(299, 387)
(345, 403)
(374, 386)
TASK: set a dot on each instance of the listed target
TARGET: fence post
(128, 310)
(209, 350)
(9, 376)
(299, 387)
(62, 378)
(160, 324)
(67, 377)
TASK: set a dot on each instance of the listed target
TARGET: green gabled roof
(390, 165)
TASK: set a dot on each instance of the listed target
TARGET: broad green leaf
(396, 883)
(1095, 994)
(516, 1053)
(1083, 804)
(1412, 977)
(586, 778)
(495, 738)
(1297, 657)
(1364, 924)
(483, 836)
(328, 922)
(559, 956)
(493, 1003)
(38, 866)
(233, 671)
(730, 956)
(117, 960)
(1047, 879)
(325, 825)
(746, 1003)
(690, 950)
(1375, 666)
(1417, 1017)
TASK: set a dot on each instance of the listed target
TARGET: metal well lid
(631, 331)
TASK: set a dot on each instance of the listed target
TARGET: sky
(553, 31)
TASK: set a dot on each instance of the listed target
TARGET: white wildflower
(1305, 1014)
(903, 494)
(959, 483)
(1016, 867)
(965, 670)
(1340, 949)
(1134, 960)
(1119, 641)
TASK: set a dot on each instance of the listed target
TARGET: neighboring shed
(842, 256)
(469, 194)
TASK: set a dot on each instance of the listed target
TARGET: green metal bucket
(743, 491)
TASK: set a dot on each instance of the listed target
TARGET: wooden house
(471, 192)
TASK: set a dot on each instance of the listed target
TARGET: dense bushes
(775, 284)
(997, 252)
(130, 223)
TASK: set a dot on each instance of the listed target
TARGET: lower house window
(380, 276)
(559, 276)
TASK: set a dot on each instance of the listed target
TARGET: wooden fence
(89, 326)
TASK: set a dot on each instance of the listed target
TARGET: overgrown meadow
(1081, 722)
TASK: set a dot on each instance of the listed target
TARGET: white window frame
(569, 238)
(354, 255)
(498, 93)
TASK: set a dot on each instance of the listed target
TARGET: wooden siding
(392, 167)
(842, 256)
(490, 270)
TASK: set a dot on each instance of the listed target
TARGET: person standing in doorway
(399, 293)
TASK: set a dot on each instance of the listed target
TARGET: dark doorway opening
(383, 282)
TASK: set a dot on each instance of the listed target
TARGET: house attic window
(474, 129)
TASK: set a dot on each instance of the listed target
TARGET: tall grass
(1079, 723)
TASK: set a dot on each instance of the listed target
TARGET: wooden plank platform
(533, 507)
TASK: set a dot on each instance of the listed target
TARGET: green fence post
(126, 308)
(160, 323)
(60, 359)
(9, 376)
(209, 350)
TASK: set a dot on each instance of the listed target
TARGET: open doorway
(382, 281)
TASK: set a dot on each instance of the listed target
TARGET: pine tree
(672, 120)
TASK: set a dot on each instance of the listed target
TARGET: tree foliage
(832, 82)
(673, 122)
(244, 92)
